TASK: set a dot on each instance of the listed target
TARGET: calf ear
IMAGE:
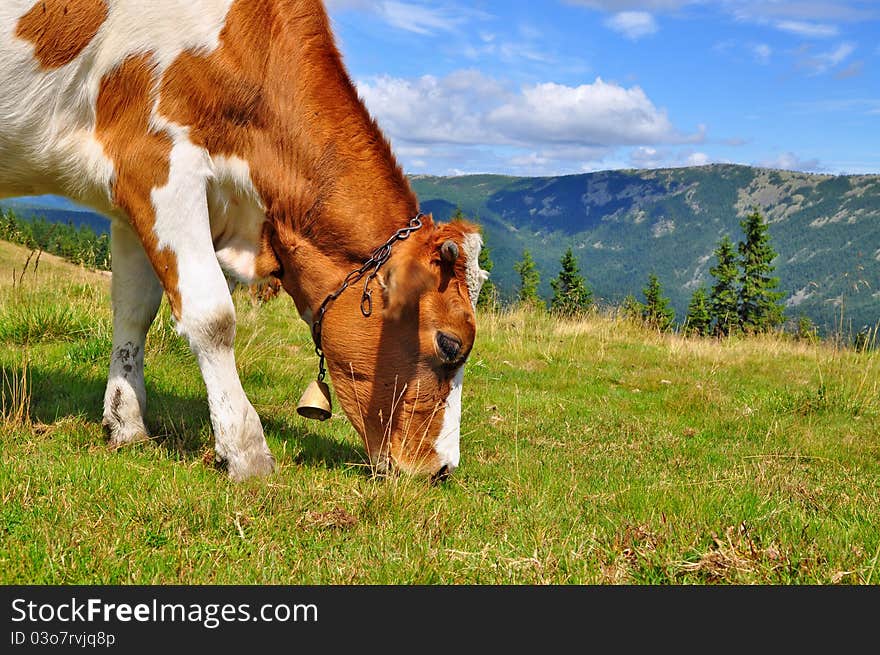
(405, 282)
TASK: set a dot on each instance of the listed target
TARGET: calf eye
(449, 346)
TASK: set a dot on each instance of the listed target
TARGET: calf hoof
(119, 435)
(247, 455)
(251, 464)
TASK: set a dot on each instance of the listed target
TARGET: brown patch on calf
(140, 158)
(220, 330)
(61, 29)
(404, 284)
(114, 420)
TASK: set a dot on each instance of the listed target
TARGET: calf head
(398, 373)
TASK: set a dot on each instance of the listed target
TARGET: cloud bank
(539, 124)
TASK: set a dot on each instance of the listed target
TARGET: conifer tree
(656, 312)
(631, 309)
(759, 307)
(724, 297)
(529, 278)
(699, 319)
(571, 295)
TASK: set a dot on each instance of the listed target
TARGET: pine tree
(631, 309)
(529, 278)
(657, 313)
(571, 295)
(724, 298)
(699, 319)
(759, 308)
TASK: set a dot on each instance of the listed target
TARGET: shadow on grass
(317, 450)
(180, 423)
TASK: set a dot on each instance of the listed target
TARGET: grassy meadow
(593, 452)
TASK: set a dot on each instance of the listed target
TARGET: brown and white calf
(225, 138)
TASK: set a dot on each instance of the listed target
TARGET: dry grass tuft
(335, 519)
(15, 396)
(735, 555)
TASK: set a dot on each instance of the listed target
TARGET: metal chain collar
(380, 255)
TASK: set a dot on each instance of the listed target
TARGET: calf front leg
(238, 433)
(178, 242)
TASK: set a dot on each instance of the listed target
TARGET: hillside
(57, 210)
(624, 225)
(627, 224)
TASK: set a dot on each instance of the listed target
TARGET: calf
(224, 138)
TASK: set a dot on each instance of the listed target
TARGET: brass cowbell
(315, 402)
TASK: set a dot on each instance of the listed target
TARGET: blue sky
(568, 86)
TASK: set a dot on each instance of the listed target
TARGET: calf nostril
(449, 346)
(440, 476)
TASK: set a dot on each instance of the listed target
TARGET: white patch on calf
(237, 218)
(165, 28)
(447, 446)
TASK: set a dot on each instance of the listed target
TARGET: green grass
(593, 452)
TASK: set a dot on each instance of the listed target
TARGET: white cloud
(468, 120)
(506, 51)
(529, 160)
(468, 107)
(408, 16)
(632, 24)
(632, 5)
(434, 110)
(824, 61)
(838, 55)
(808, 30)
(418, 19)
(802, 10)
(556, 160)
(650, 157)
(762, 53)
(853, 70)
(762, 11)
(698, 159)
(591, 114)
(791, 162)
(860, 105)
(647, 157)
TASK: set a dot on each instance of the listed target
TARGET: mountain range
(625, 224)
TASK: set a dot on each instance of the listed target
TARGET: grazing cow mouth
(441, 476)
